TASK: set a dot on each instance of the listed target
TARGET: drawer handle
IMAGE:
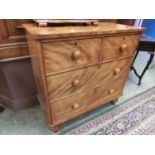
(111, 91)
(76, 82)
(117, 70)
(75, 106)
(76, 55)
(123, 47)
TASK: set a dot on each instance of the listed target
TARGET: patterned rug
(135, 117)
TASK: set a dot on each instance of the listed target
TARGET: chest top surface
(71, 31)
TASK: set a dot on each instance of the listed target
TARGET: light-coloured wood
(39, 73)
(71, 107)
(117, 70)
(123, 47)
(61, 85)
(75, 106)
(80, 31)
(54, 128)
(67, 54)
(76, 55)
(120, 46)
(111, 91)
(76, 82)
(79, 68)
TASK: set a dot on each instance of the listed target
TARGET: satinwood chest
(78, 68)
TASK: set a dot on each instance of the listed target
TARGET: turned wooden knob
(76, 55)
(123, 47)
(111, 91)
(117, 70)
(76, 82)
(75, 106)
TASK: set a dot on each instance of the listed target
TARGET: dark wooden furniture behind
(78, 68)
(17, 86)
(146, 44)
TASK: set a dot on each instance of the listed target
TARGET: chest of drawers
(78, 68)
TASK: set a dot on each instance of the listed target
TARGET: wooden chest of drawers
(78, 68)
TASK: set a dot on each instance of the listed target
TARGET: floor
(32, 122)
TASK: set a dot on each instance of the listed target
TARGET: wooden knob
(76, 82)
(76, 55)
(117, 70)
(123, 47)
(111, 91)
(75, 106)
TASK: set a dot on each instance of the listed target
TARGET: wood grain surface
(79, 68)
(70, 107)
(79, 31)
(63, 55)
(119, 47)
(61, 85)
(39, 74)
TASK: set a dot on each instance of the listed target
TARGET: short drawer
(118, 47)
(70, 107)
(66, 54)
(65, 84)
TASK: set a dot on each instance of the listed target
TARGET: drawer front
(70, 107)
(119, 47)
(65, 84)
(67, 54)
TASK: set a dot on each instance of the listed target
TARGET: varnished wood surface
(70, 107)
(72, 82)
(66, 54)
(39, 74)
(70, 85)
(59, 55)
(71, 31)
(11, 30)
(119, 46)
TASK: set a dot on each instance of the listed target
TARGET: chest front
(77, 73)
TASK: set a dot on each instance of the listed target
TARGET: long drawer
(118, 47)
(62, 55)
(65, 84)
(70, 107)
